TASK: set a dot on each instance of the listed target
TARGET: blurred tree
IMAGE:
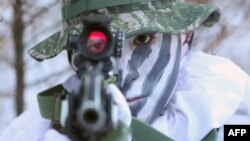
(17, 32)
(20, 27)
(24, 23)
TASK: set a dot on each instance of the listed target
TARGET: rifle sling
(50, 104)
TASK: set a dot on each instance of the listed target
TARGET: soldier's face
(150, 65)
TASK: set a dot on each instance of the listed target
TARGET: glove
(124, 111)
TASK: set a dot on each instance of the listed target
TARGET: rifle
(92, 113)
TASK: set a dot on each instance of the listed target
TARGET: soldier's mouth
(133, 100)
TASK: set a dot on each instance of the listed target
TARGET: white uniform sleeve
(29, 126)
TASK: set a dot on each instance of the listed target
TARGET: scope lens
(96, 42)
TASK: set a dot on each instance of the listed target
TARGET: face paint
(139, 55)
(150, 73)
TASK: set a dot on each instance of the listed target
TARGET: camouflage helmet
(131, 16)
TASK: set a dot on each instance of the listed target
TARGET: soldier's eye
(143, 39)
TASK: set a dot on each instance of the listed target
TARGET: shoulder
(211, 66)
(211, 82)
(215, 72)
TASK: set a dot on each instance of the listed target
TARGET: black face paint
(168, 89)
(136, 107)
(139, 55)
(159, 66)
(155, 73)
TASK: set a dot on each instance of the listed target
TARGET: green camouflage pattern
(50, 47)
(170, 16)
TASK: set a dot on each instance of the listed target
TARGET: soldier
(183, 93)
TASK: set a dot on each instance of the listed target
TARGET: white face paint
(150, 72)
